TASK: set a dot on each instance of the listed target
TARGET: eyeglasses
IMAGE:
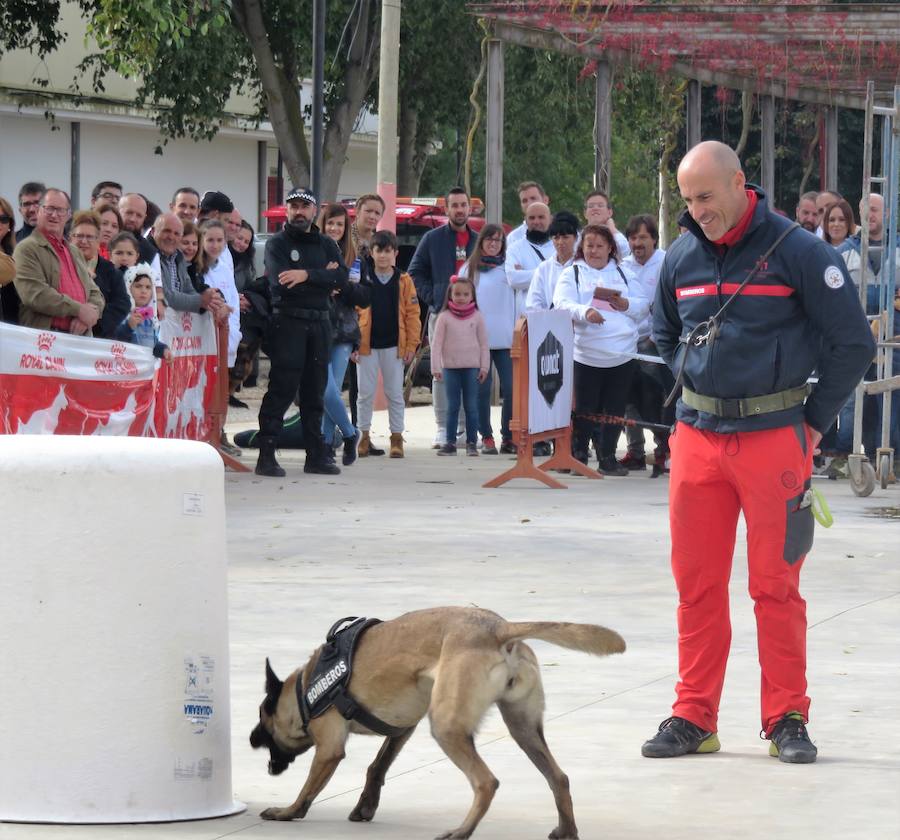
(85, 237)
(6, 220)
(109, 196)
(55, 211)
(496, 239)
(27, 205)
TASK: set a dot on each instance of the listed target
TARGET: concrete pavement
(388, 536)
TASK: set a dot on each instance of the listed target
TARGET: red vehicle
(414, 217)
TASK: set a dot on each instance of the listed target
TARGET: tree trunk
(358, 78)
(415, 137)
(281, 92)
(746, 121)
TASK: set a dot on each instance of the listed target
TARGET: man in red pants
(748, 305)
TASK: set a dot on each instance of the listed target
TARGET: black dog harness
(327, 684)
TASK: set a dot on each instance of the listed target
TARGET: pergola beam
(493, 195)
(529, 36)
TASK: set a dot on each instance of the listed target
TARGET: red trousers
(714, 478)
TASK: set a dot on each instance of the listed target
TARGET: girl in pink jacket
(460, 357)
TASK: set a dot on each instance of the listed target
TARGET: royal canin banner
(56, 383)
(186, 387)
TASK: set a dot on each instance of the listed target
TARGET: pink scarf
(466, 311)
(70, 283)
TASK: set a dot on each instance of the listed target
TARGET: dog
(451, 663)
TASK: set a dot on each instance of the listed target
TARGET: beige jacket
(37, 282)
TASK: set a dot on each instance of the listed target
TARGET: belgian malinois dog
(451, 663)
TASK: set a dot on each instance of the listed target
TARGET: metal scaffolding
(862, 474)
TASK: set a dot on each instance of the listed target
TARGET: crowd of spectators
(66, 270)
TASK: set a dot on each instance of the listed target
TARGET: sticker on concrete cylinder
(193, 504)
(186, 770)
(199, 680)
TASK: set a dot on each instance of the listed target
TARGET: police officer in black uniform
(303, 267)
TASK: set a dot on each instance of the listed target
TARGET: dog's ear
(273, 684)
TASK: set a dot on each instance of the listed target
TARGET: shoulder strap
(706, 331)
(622, 275)
(577, 284)
(537, 251)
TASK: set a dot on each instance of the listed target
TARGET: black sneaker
(610, 466)
(350, 444)
(677, 736)
(790, 741)
(447, 449)
(507, 447)
(321, 468)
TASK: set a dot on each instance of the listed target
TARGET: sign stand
(219, 408)
(524, 440)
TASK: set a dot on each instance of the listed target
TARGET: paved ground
(387, 536)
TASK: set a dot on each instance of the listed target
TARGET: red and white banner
(186, 386)
(56, 383)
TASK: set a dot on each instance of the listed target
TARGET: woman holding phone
(604, 301)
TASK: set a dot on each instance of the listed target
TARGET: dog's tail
(588, 638)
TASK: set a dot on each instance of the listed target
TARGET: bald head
(875, 219)
(537, 216)
(712, 185)
(711, 153)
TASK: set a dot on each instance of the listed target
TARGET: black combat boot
(266, 463)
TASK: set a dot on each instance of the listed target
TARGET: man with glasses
(598, 211)
(29, 198)
(52, 278)
(106, 192)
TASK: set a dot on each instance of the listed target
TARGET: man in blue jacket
(748, 305)
(440, 254)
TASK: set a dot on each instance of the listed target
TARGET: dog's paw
(456, 834)
(362, 813)
(276, 814)
(561, 833)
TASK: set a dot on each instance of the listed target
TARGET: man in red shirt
(52, 279)
(439, 255)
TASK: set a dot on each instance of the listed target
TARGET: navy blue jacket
(434, 263)
(798, 314)
(118, 303)
(311, 251)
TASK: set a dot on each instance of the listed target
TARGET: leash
(707, 331)
(612, 420)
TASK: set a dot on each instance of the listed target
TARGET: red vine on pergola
(795, 49)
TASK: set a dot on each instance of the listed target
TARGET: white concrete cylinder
(114, 689)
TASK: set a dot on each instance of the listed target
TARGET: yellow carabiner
(820, 509)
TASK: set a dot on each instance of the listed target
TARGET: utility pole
(318, 109)
(388, 95)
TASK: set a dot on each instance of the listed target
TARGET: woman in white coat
(604, 301)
